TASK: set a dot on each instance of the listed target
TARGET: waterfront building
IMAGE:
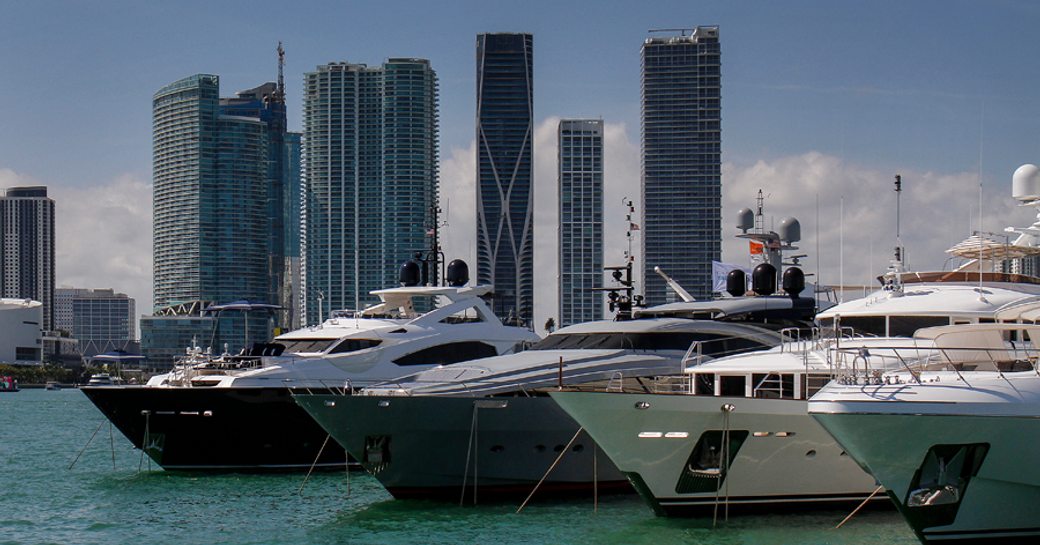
(505, 193)
(223, 186)
(370, 178)
(27, 234)
(21, 339)
(167, 337)
(681, 161)
(580, 175)
(101, 320)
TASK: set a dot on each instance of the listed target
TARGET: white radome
(1025, 183)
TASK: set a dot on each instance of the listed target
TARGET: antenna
(682, 31)
(899, 195)
(280, 92)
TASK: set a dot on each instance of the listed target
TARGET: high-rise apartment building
(505, 192)
(682, 172)
(223, 188)
(27, 235)
(101, 320)
(370, 178)
(580, 174)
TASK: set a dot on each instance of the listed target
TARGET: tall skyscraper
(682, 169)
(370, 178)
(27, 234)
(210, 197)
(505, 193)
(223, 184)
(580, 164)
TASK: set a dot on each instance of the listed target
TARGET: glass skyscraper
(370, 178)
(682, 173)
(505, 193)
(27, 248)
(580, 171)
(223, 183)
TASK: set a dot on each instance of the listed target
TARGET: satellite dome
(790, 230)
(745, 219)
(1025, 183)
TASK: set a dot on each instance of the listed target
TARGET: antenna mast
(280, 92)
(899, 240)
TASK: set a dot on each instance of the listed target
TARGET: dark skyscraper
(27, 234)
(682, 172)
(505, 196)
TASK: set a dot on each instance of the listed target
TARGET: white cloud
(104, 237)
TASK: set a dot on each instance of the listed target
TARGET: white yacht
(739, 436)
(236, 412)
(951, 436)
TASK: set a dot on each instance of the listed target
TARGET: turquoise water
(42, 501)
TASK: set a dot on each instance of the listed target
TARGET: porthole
(578, 448)
(497, 448)
(810, 454)
(558, 448)
(539, 448)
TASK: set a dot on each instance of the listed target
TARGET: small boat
(52, 385)
(104, 379)
(8, 384)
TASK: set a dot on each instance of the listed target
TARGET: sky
(822, 102)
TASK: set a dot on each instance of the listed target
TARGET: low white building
(21, 338)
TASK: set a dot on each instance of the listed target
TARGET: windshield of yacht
(644, 341)
(298, 346)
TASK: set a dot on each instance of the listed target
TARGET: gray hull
(430, 447)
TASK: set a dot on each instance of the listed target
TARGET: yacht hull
(218, 429)
(781, 459)
(996, 504)
(451, 448)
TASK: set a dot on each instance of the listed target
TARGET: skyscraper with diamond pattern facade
(505, 192)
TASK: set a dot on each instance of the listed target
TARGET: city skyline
(820, 100)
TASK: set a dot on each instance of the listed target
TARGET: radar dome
(745, 219)
(790, 230)
(1025, 183)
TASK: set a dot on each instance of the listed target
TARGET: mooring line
(311, 470)
(552, 467)
(87, 445)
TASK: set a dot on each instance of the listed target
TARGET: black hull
(219, 429)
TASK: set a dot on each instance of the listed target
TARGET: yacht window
(704, 384)
(446, 354)
(906, 326)
(353, 345)
(733, 386)
(297, 346)
(466, 316)
(713, 344)
(865, 325)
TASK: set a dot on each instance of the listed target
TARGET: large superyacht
(739, 438)
(236, 413)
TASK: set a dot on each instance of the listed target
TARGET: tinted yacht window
(906, 326)
(446, 354)
(306, 345)
(711, 344)
(353, 345)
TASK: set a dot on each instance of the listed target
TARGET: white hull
(786, 460)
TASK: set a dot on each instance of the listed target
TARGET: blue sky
(868, 87)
